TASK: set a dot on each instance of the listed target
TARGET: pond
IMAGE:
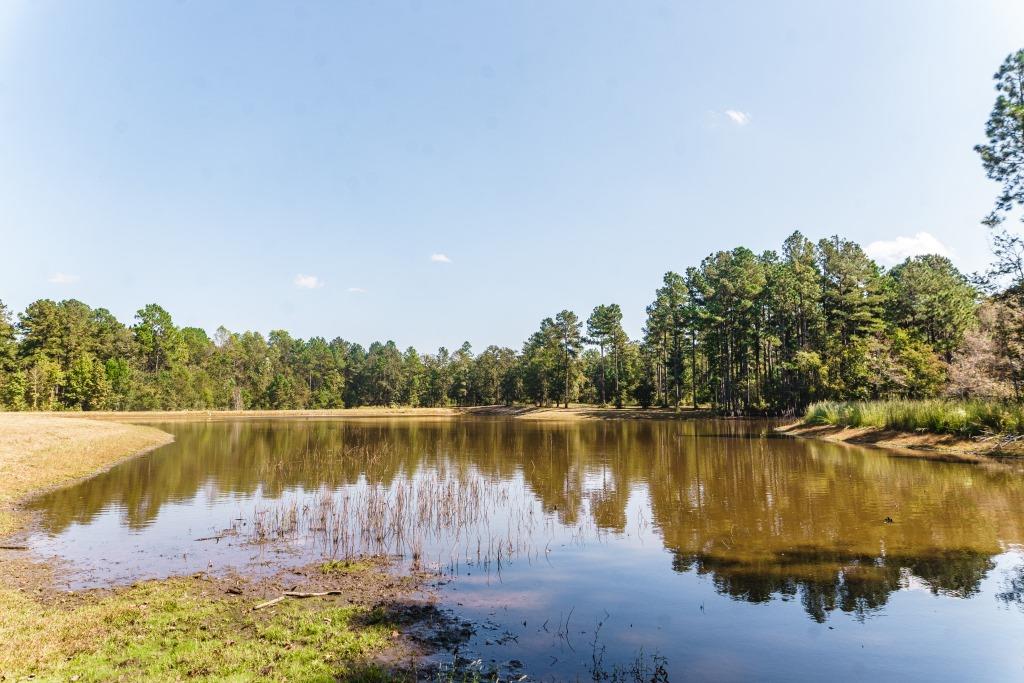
(710, 548)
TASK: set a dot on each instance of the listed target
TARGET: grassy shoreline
(966, 430)
(968, 418)
(198, 627)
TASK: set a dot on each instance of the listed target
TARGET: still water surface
(732, 554)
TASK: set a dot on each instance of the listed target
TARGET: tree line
(738, 332)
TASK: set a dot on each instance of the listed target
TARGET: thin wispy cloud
(63, 278)
(737, 117)
(357, 290)
(308, 281)
(891, 252)
(440, 258)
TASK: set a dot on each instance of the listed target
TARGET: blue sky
(433, 172)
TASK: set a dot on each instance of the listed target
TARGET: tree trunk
(693, 369)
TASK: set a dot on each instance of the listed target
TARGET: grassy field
(196, 627)
(188, 628)
(956, 418)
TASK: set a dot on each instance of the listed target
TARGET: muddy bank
(935, 446)
(353, 620)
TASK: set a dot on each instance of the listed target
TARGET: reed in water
(458, 516)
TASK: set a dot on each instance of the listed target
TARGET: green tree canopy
(934, 301)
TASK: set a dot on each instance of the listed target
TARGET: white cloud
(357, 290)
(891, 252)
(308, 281)
(63, 278)
(440, 258)
(740, 118)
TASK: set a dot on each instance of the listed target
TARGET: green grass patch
(177, 629)
(344, 567)
(937, 416)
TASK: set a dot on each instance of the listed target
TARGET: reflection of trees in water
(1012, 589)
(246, 458)
(767, 517)
(824, 582)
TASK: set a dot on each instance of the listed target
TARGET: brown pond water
(581, 546)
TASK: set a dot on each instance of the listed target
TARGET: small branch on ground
(294, 594)
(999, 440)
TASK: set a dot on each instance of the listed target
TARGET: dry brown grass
(40, 451)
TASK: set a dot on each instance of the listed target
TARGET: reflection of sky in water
(735, 558)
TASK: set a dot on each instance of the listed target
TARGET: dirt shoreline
(926, 445)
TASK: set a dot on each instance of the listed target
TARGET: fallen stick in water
(294, 594)
(219, 536)
(13, 547)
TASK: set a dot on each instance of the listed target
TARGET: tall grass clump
(939, 416)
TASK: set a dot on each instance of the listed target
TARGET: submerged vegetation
(959, 418)
(460, 509)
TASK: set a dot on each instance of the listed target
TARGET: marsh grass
(959, 418)
(465, 517)
(439, 519)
